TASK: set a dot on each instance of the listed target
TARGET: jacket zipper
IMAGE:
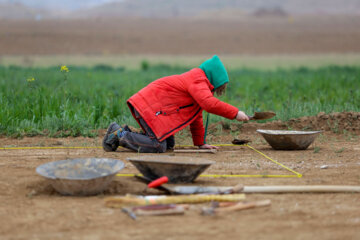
(182, 107)
(186, 106)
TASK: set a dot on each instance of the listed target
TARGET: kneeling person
(172, 103)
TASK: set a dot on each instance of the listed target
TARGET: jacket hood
(215, 71)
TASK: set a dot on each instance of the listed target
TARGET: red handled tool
(158, 182)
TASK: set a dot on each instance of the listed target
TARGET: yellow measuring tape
(276, 162)
(298, 175)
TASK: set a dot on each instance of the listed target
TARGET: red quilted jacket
(170, 104)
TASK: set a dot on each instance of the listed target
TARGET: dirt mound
(335, 122)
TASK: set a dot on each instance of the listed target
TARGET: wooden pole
(267, 189)
(301, 189)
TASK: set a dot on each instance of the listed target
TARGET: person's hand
(207, 146)
(241, 116)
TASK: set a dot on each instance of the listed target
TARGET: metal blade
(263, 115)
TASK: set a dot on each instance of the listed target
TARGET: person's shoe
(110, 141)
(126, 128)
(170, 142)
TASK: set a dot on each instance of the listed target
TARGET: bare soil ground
(250, 35)
(31, 209)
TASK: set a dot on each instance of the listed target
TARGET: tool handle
(250, 117)
(158, 182)
(242, 206)
(238, 188)
(119, 202)
(171, 211)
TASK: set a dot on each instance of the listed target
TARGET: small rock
(325, 117)
(324, 167)
(31, 193)
(320, 114)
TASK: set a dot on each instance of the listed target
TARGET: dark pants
(145, 143)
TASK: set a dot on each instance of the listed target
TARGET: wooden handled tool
(236, 207)
(242, 206)
(155, 210)
(173, 210)
(120, 202)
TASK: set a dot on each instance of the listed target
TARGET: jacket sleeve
(197, 130)
(200, 92)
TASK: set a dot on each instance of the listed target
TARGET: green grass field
(46, 101)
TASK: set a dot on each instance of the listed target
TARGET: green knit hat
(215, 71)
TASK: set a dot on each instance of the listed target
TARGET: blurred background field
(133, 62)
(297, 58)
